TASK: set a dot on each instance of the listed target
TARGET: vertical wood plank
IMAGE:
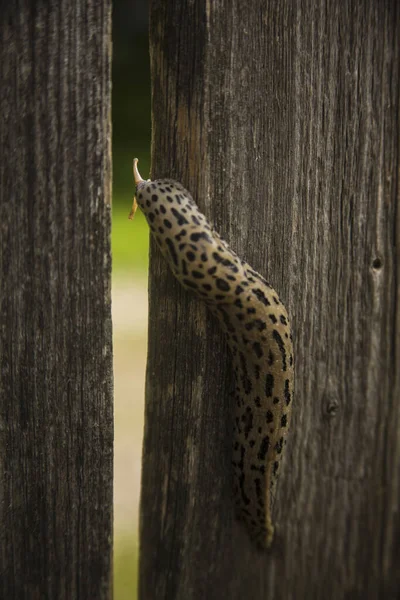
(282, 119)
(56, 420)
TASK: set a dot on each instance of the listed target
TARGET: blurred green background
(131, 132)
(131, 137)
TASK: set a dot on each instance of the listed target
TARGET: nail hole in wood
(377, 264)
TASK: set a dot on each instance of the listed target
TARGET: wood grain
(282, 119)
(56, 421)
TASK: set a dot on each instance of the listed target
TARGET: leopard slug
(257, 330)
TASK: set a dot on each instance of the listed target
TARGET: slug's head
(165, 203)
(139, 182)
(198, 257)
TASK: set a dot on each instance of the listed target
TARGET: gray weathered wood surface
(282, 118)
(56, 424)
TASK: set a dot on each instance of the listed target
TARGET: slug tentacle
(258, 333)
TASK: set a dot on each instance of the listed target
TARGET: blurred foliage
(131, 138)
(130, 242)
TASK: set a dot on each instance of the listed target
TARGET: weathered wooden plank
(55, 319)
(282, 119)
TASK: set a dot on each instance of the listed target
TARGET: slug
(257, 330)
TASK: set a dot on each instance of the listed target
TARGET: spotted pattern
(258, 333)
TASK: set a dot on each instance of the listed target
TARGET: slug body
(257, 330)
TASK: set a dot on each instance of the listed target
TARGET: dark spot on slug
(212, 270)
(198, 275)
(151, 216)
(275, 400)
(286, 392)
(226, 320)
(172, 250)
(224, 261)
(261, 296)
(264, 446)
(195, 220)
(180, 219)
(281, 346)
(257, 349)
(283, 320)
(278, 446)
(195, 237)
(269, 416)
(180, 235)
(247, 419)
(217, 257)
(269, 385)
(273, 318)
(247, 385)
(190, 256)
(167, 223)
(238, 290)
(284, 421)
(207, 287)
(170, 199)
(163, 209)
(259, 324)
(203, 257)
(223, 285)
(190, 283)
